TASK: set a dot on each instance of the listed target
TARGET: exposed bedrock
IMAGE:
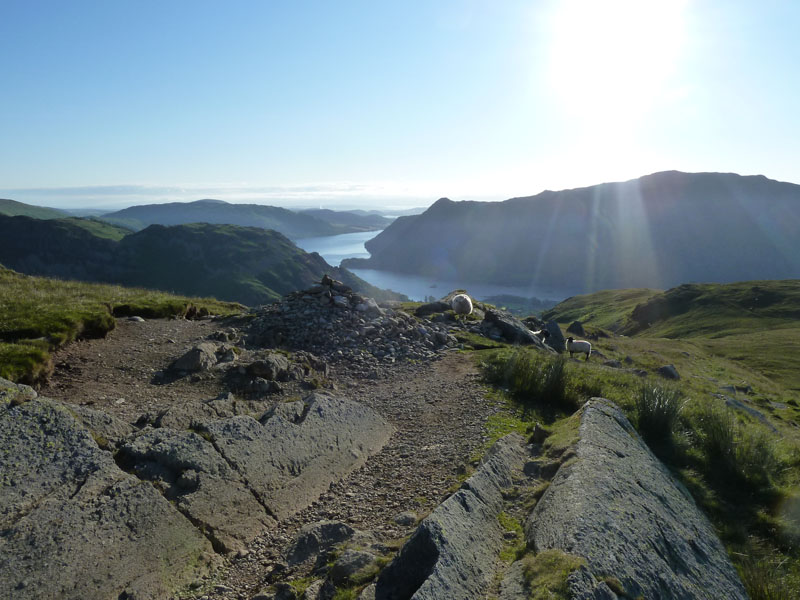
(73, 525)
(618, 507)
(238, 474)
(452, 553)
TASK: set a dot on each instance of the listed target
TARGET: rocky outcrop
(510, 328)
(288, 463)
(74, 525)
(453, 551)
(241, 474)
(668, 372)
(618, 507)
(344, 327)
(556, 339)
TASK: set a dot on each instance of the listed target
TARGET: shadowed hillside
(242, 264)
(657, 231)
(12, 208)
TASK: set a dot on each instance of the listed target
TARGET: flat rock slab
(288, 464)
(453, 551)
(623, 511)
(73, 525)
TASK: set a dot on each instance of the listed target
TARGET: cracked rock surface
(622, 510)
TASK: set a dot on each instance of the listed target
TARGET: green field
(38, 315)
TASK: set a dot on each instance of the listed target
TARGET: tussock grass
(38, 315)
(657, 411)
(532, 378)
(744, 453)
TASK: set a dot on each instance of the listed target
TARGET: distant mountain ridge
(243, 264)
(656, 231)
(294, 225)
(12, 208)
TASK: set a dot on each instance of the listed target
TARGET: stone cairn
(341, 326)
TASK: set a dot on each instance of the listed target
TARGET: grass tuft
(657, 411)
(546, 574)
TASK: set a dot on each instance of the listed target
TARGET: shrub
(657, 410)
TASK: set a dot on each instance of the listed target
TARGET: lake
(335, 248)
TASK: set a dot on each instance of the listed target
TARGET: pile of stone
(337, 324)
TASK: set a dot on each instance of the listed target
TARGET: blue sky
(112, 103)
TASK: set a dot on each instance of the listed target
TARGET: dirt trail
(439, 409)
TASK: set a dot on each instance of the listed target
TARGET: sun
(610, 60)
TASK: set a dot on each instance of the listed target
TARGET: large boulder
(453, 551)
(556, 339)
(200, 483)
(76, 526)
(288, 464)
(200, 358)
(511, 328)
(619, 508)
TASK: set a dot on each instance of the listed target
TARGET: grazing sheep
(578, 346)
(461, 304)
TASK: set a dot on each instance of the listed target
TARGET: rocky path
(439, 409)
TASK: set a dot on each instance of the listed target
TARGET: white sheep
(461, 304)
(578, 346)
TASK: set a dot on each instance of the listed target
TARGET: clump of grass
(532, 378)
(657, 411)
(546, 574)
(765, 580)
(746, 453)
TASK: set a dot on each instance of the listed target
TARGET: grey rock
(576, 327)
(286, 464)
(370, 308)
(513, 586)
(314, 590)
(316, 539)
(200, 483)
(406, 518)
(753, 412)
(341, 302)
(512, 329)
(272, 367)
(368, 593)
(614, 364)
(200, 358)
(452, 552)
(76, 526)
(668, 372)
(622, 510)
(136, 319)
(583, 586)
(556, 339)
(104, 427)
(349, 564)
(15, 392)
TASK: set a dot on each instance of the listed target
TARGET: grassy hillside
(609, 309)
(750, 324)
(241, 264)
(38, 315)
(729, 429)
(12, 208)
(100, 228)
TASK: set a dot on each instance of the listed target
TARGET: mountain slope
(12, 208)
(291, 224)
(242, 264)
(656, 231)
(350, 220)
